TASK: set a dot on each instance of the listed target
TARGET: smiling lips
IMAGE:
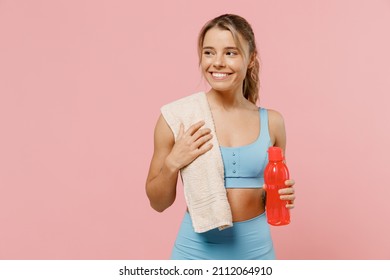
(219, 76)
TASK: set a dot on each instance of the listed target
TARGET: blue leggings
(246, 240)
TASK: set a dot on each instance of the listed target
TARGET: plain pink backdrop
(81, 85)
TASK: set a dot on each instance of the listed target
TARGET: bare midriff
(245, 203)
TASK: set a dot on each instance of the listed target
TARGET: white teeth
(219, 75)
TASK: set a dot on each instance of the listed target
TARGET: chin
(218, 86)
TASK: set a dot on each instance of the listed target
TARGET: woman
(229, 63)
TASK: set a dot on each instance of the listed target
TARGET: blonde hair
(238, 25)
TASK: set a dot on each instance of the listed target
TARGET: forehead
(220, 38)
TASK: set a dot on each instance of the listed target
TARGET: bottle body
(275, 175)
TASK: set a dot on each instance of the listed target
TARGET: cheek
(236, 64)
(204, 66)
(243, 68)
(205, 63)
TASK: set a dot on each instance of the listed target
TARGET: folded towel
(203, 179)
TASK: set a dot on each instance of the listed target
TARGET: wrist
(171, 165)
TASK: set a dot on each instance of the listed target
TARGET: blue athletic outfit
(251, 239)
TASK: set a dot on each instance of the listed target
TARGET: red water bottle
(275, 175)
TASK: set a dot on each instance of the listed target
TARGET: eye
(207, 53)
(231, 53)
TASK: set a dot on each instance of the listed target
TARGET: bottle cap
(275, 154)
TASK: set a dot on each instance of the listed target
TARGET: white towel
(203, 179)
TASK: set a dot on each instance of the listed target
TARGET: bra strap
(264, 129)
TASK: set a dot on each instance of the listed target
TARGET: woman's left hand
(288, 193)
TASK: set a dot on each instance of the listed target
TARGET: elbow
(157, 204)
(159, 207)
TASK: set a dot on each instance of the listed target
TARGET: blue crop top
(244, 165)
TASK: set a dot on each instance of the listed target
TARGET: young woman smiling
(228, 59)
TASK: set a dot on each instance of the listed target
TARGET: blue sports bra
(244, 165)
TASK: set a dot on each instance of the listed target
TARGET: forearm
(161, 190)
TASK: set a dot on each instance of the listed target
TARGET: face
(223, 65)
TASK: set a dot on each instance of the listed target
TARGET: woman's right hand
(189, 145)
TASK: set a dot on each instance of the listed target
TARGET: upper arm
(163, 143)
(277, 129)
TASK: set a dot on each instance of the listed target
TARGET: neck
(227, 99)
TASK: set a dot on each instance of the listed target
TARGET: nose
(219, 61)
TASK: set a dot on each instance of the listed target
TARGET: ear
(252, 61)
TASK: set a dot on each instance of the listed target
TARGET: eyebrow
(227, 48)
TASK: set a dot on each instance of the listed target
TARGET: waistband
(250, 183)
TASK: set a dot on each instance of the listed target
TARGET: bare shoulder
(163, 143)
(275, 118)
(163, 135)
(277, 128)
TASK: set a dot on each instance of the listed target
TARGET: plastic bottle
(275, 175)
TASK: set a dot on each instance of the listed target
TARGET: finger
(286, 191)
(200, 133)
(205, 148)
(290, 202)
(289, 183)
(202, 140)
(265, 187)
(290, 205)
(193, 128)
(288, 197)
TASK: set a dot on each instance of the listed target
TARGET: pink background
(81, 84)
